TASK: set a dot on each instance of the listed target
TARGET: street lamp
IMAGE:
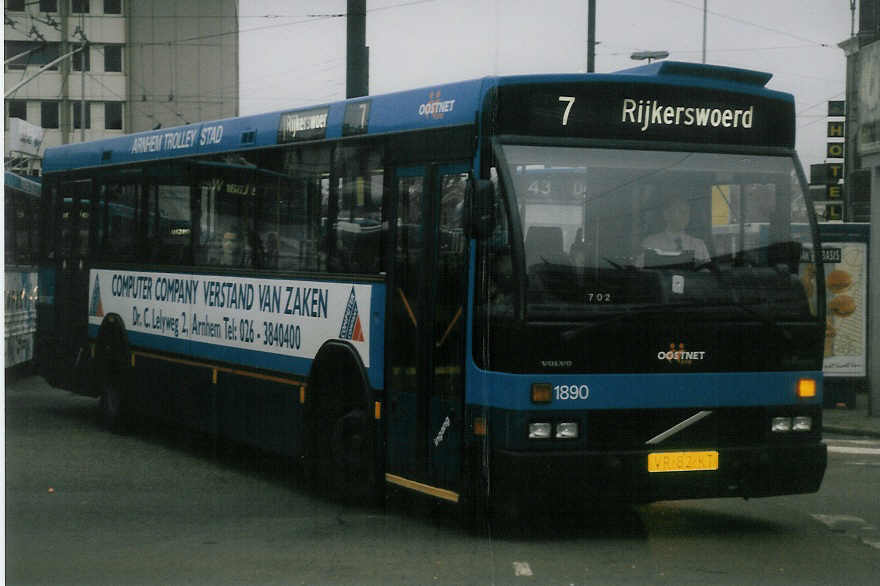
(649, 55)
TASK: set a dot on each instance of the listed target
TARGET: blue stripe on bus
(640, 391)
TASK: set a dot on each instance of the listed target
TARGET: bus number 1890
(571, 392)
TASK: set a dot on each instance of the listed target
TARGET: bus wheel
(112, 404)
(351, 458)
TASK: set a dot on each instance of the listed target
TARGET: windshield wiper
(639, 311)
(766, 319)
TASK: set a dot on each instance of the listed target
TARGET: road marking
(842, 522)
(861, 442)
(522, 569)
(858, 451)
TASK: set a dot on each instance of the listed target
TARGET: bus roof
(437, 106)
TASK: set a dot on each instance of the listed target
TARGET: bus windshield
(606, 230)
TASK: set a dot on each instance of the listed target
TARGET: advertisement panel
(273, 323)
(20, 315)
(846, 276)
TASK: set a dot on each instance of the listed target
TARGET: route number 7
(569, 103)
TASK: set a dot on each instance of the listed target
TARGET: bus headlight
(539, 430)
(567, 430)
(780, 424)
(802, 423)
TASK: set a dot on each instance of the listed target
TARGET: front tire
(342, 459)
(352, 457)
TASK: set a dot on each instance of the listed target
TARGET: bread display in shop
(838, 281)
(842, 305)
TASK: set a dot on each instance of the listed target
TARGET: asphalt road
(157, 506)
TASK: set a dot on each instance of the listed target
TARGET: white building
(144, 63)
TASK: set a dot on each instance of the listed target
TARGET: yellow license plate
(682, 461)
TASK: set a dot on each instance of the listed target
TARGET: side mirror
(479, 220)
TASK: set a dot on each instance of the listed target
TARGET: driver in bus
(673, 239)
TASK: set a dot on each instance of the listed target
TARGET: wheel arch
(335, 354)
(111, 346)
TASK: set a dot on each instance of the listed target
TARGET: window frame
(79, 57)
(22, 103)
(117, 9)
(79, 7)
(76, 117)
(57, 114)
(107, 117)
(114, 48)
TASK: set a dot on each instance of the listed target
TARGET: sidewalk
(852, 421)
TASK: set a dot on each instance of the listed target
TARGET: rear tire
(112, 405)
(110, 367)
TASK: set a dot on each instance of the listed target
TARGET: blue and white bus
(21, 245)
(461, 290)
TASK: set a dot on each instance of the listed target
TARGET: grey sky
(289, 57)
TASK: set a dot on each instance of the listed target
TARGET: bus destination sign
(303, 125)
(645, 112)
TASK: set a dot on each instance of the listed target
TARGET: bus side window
(226, 196)
(267, 216)
(175, 225)
(9, 223)
(358, 227)
(123, 213)
(294, 229)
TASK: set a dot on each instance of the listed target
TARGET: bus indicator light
(542, 392)
(806, 388)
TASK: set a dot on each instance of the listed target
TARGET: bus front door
(426, 341)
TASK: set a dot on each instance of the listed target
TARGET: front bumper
(574, 478)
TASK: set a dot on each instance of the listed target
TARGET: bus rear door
(71, 265)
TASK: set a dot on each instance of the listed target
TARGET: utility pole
(82, 86)
(705, 13)
(852, 18)
(357, 71)
(65, 117)
(591, 36)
